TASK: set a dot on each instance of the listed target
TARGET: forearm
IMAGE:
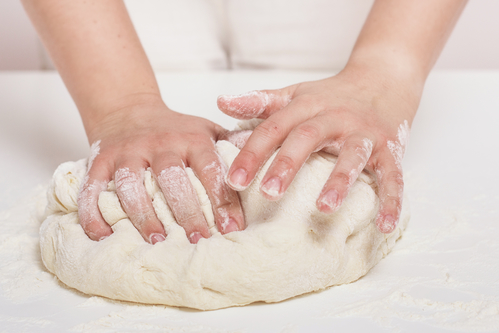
(97, 53)
(406, 37)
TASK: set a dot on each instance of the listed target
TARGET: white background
(474, 43)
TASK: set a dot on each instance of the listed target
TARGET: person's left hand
(360, 115)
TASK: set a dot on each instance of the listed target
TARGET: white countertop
(443, 275)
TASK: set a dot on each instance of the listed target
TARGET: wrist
(385, 86)
(129, 110)
(400, 68)
(403, 76)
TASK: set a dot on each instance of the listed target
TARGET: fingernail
(238, 178)
(386, 224)
(154, 238)
(103, 237)
(230, 226)
(272, 187)
(329, 201)
(195, 237)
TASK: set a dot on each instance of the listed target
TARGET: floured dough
(288, 248)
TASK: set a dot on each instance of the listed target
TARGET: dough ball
(288, 248)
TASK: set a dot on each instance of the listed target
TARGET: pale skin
(358, 115)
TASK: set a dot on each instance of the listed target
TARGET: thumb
(255, 104)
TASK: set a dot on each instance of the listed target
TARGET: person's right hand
(138, 136)
(98, 54)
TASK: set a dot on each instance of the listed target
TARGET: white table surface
(443, 275)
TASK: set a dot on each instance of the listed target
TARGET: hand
(135, 137)
(361, 115)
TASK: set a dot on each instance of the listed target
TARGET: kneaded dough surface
(288, 248)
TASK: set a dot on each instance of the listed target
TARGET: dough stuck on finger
(285, 244)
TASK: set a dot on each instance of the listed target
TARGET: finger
(295, 150)
(262, 143)
(136, 203)
(237, 138)
(255, 104)
(95, 182)
(180, 196)
(211, 171)
(352, 159)
(391, 186)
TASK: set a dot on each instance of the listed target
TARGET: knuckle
(125, 179)
(248, 157)
(218, 191)
(270, 129)
(208, 161)
(353, 146)
(360, 150)
(89, 194)
(225, 209)
(308, 132)
(167, 162)
(284, 162)
(149, 224)
(172, 176)
(229, 198)
(86, 191)
(149, 215)
(92, 227)
(139, 211)
(392, 205)
(86, 221)
(221, 208)
(342, 177)
(212, 171)
(169, 156)
(184, 205)
(395, 177)
(191, 221)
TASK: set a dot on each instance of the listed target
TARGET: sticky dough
(288, 248)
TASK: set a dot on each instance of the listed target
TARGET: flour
(94, 152)
(440, 275)
(397, 148)
(474, 315)
(246, 106)
(22, 275)
(428, 258)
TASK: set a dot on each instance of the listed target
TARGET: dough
(289, 247)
